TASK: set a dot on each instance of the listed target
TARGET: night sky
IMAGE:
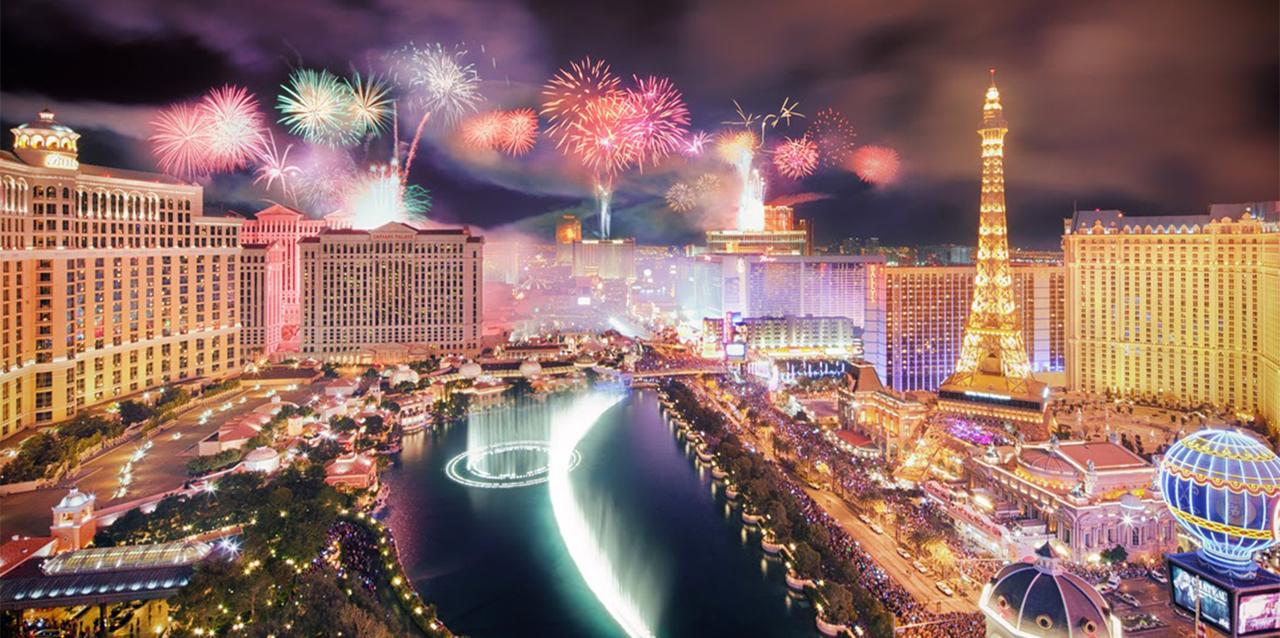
(1151, 106)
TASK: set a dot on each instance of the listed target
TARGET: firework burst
(274, 165)
(876, 165)
(370, 104)
(682, 197)
(519, 130)
(737, 147)
(833, 135)
(708, 187)
(570, 91)
(449, 85)
(695, 144)
(796, 159)
(657, 119)
(235, 127)
(316, 106)
(484, 131)
(325, 178)
(600, 138)
(181, 141)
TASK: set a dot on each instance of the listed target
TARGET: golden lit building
(568, 230)
(925, 312)
(886, 417)
(1182, 308)
(392, 294)
(111, 281)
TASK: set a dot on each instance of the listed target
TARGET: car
(877, 529)
(904, 553)
(1159, 576)
(944, 588)
(920, 567)
(864, 519)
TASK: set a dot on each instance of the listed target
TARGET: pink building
(285, 226)
(261, 294)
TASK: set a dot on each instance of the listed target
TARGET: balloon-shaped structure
(1222, 486)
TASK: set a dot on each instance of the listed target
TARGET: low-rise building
(352, 470)
(886, 417)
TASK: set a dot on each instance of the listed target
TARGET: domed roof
(1130, 501)
(530, 368)
(585, 359)
(1040, 599)
(46, 121)
(74, 499)
(401, 375)
(1047, 464)
(471, 370)
(261, 454)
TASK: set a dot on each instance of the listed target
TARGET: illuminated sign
(61, 161)
(584, 301)
(1214, 604)
(1259, 612)
(735, 351)
(987, 395)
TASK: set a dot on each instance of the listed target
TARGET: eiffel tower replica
(992, 381)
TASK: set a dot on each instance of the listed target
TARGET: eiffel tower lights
(993, 343)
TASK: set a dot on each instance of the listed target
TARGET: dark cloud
(1159, 106)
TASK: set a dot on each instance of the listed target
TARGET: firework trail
(682, 197)
(876, 165)
(833, 135)
(235, 127)
(317, 106)
(657, 118)
(519, 130)
(181, 141)
(274, 165)
(370, 104)
(570, 91)
(796, 159)
(695, 144)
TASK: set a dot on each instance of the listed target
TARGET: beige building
(391, 294)
(111, 281)
(605, 258)
(1184, 308)
(925, 312)
(262, 269)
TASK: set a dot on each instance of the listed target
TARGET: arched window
(66, 193)
(37, 142)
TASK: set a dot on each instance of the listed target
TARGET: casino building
(112, 281)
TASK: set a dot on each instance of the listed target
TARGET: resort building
(261, 290)
(393, 294)
(885, 417)
(112, 281)
(605, 258)
(1182, 309)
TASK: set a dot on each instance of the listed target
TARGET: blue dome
(1222, 486)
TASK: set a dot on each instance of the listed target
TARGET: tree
(342, 424)
(808, 562)
(839, 607)
(405, 387)
(134, 412)
(330, 370)
(370, 373)
(374, 425)
(1116, 555)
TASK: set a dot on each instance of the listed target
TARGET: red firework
(571, 91)
(796, 159)
(658, 118)
(181, 141)
(833, 134)
(599, 137)
(519, 130)
(876, 165)
(484, 131)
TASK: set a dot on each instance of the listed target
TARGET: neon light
(61, 161)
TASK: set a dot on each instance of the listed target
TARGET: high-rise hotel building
(926, 308)
(1181, 308)
(262, 272)
(392, 294)
(111, 281)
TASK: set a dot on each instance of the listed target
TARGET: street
(161, 468)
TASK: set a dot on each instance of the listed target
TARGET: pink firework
(599, 136)
(876, 165)
(484, 131)
(570, 91)
(695, 144)
(833, 134)
(796, 159)
(519, 130)
(181, 141)
(658, 118)
(235, 126)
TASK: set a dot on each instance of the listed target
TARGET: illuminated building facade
(568, 230)
(925, 312)
(285, 226)
(261, 288)
(791, 335)
(992, 378)
(886, 417)
(781, 235)
(111, 281)
(392, 294)
(608, 259)
(1087, 497)
(1181, 308)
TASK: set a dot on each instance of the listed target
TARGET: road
(883, 549)
(162, 468)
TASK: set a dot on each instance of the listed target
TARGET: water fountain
(508, 448)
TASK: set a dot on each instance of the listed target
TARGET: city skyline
(1090, 136)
